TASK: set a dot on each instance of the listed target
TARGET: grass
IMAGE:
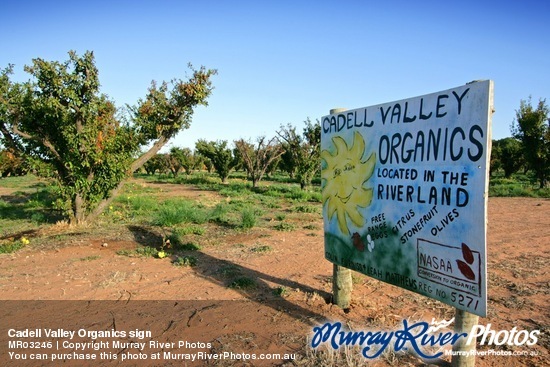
(304, 208)
(190, 229)
(248, 217)
(229, 271)
(10, 247)
(31, 204)
(518, 185)
(142, 251)
(173, 212)
(261, 249)
(90, 258)
(285, 227)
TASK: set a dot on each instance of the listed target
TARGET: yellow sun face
(343, 178)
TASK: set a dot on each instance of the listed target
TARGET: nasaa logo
(455, 267)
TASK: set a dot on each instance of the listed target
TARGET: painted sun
(343, 175)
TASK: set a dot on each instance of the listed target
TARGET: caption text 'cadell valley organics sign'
(405, 192)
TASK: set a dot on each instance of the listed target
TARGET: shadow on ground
(252, 284)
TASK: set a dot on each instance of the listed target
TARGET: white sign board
(405, 188)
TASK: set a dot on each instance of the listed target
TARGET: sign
(405, 187)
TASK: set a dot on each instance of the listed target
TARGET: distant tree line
(296, 154)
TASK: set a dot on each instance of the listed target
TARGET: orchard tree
(507, 154)
(61, 118)
(158, 162)
(257, 158)
(219, 155)
(303, 152)
(189, 161)
(176, 160)
(532, 129)
(12, 164)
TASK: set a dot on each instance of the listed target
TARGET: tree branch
(150, 153)
(42, 140)
(9, 139)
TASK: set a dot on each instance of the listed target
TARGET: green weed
(141, 204)
(220, 213)
(90, 258)
(248, 218)
(174, 212)
(284, 227)
(243, 283)
(311, 227)
(229, 271)
(281, 291)
(190, 229)
(142, 251)
(261, 249)
(10, 247)
(305, 209)
(185, 261)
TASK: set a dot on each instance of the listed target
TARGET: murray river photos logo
(419, 337)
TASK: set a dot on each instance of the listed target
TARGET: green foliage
(190, 229)
(285, 227)
(311, 227)
(507, 154)
(235, 190)
(260, 249)
(90, 258)
(306, 209)
(140, 204)
(243, 283)
(173, 212)
(12, 163)
(185, 261)
(31, 205)
(158, 163)
(60, 119)
(219, 155)
(181, 158)
(302, 157)
(220, 213)
(141, 251)
(532, 128)
(518, 185)
(248, 217)
(229, 271)
(11, 246)
(281, 291)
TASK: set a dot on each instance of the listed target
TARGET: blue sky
(280, 62)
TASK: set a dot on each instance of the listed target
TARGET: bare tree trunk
(78, 216)
(105, 203)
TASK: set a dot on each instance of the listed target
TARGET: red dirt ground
(293, 285)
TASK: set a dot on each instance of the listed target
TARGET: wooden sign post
(342, 284)
(464, 322)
